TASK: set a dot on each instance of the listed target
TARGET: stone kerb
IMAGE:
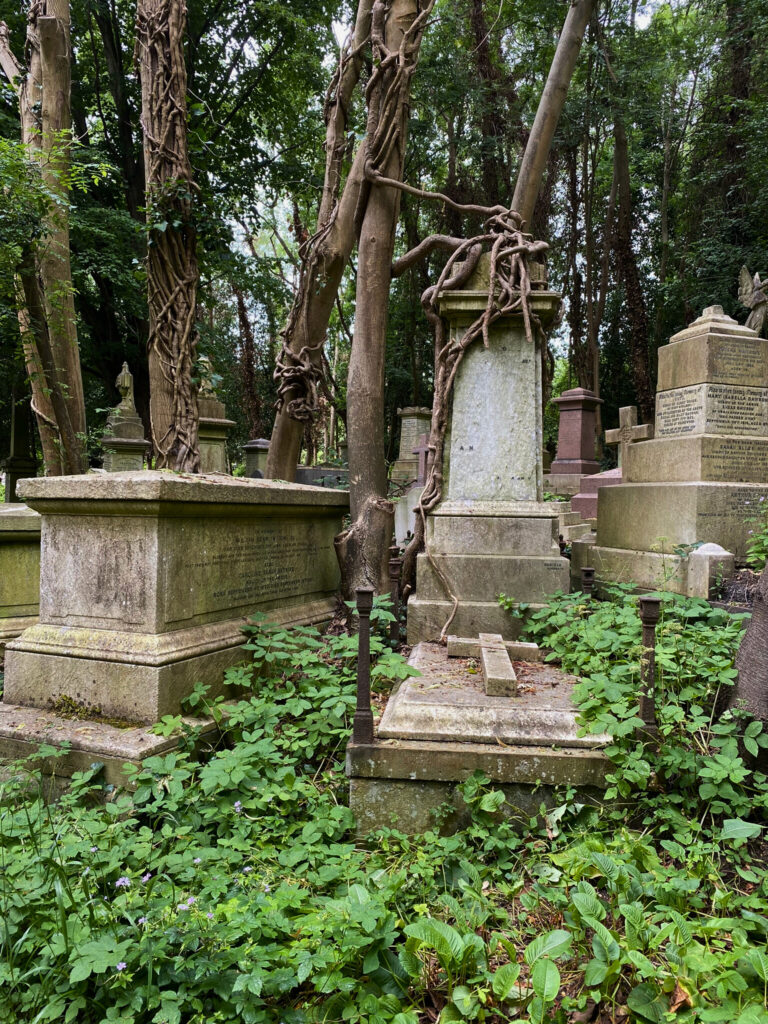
(147, 578)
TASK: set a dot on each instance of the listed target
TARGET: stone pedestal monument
(414, 421)
(21, 462)
(256, 454)
(123, 442)
(19, 571)
(704, 476)
(575, 440)
(214, 425)
(492, 532)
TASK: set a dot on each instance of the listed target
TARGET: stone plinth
(492, 532)
(147, 578)
(705, 474)
(576, 432)
(213, 430)
(256, 453)
(414, 421)
(585, 502)
(440, 727)
(125, 447)
(19, 571)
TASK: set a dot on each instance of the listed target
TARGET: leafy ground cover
(232, 888)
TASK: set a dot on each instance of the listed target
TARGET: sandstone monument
(213, 425)
(146, 579)
(703, 476)
(492, 532)
(414, 421)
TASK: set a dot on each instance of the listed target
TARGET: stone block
(708, 457)
(426, 618)
(646, 570)
(484, 577)
(564, 484)
(712, 409)
(19, 570)
(147, 578)
(256, 454)
(414, 421)
(498, 674)
(531, 529)
(405, 514)
(645, 516)
(586, 501)
(469, 647)
(715, 349)
(707, 566)
(576, 432)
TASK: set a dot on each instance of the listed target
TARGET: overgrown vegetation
(233, 889)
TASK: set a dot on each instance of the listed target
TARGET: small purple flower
(209, 915)
(238, 807)
(121, 966)
(246, 870)
(266, 888)
(182, 906)
(190, 901)
(123, 883)
(142, 920)
(198, 860)
(94, 849)
(146, 878)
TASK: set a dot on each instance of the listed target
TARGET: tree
(172, 271)
(46, 298)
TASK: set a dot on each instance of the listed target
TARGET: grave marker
(125, 447)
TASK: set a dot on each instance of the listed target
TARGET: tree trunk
(549, 109)
(172, 271)
(324, 259)
(43, 91)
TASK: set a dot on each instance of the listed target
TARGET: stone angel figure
(753, 293)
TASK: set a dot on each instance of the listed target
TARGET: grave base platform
(12, 628)
(79, 744)
(706, 457)
(692, 576)
(566, 484)
(440, 727)
(137, 676)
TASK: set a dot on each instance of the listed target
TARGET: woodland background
(656, 190)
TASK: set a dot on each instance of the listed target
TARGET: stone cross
(628, 431)
(423, 451)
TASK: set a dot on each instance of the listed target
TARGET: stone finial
(123, 441)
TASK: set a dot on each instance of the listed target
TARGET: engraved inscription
(679, 412)
(712, 409)
(739, 358)
(735, 459)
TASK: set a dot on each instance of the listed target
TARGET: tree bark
(43, 89)
(326, 254)
(550, 107)
(172, 270)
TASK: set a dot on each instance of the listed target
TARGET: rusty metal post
(395, 563)
(362, 723)
(587, 580)
(650, 610)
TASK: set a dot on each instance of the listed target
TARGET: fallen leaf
(679, 998)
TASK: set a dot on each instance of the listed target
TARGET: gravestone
(147, 578)
(21, 462)
(628, 432)
(123, 441)
(213, 424)
(705, 474)
(19, 571)
(492, 532)
(406, 504)
(576, 434)
(414, 421)
(256, 453)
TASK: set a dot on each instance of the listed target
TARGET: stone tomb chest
(147, 578)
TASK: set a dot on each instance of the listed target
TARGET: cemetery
(383, 513)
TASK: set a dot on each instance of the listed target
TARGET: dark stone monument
(21, 462)
(576, 433)
(125, 447)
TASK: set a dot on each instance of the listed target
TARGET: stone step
(569, 519)
(576, 532)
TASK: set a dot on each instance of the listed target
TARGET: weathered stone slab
(414, 421)
(712, 409)
(446, 704)
(706, 457)
(484, 577)
(530, 528)
(656, 514)
(147, 578)
(19, 570)
(469, 647)
(23, 730)
(498, 674)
